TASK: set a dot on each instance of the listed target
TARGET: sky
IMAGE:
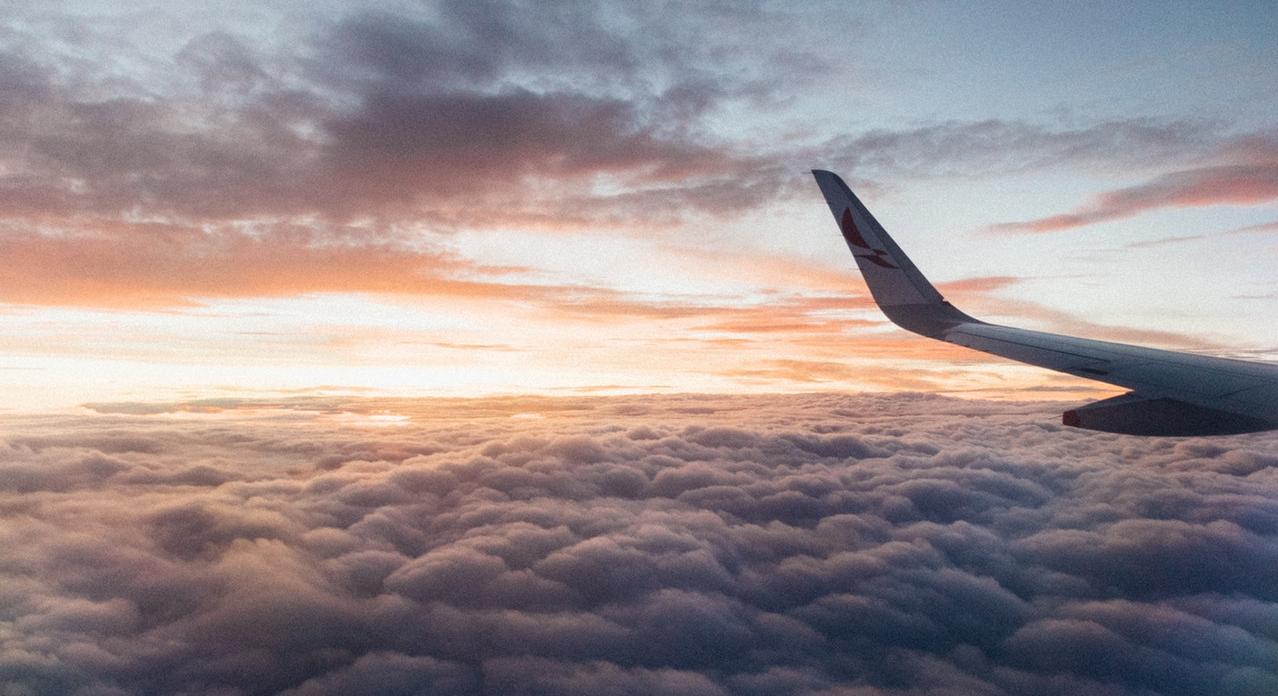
(469, 198)
(509, 348)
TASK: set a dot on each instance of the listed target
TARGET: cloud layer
(813, 544)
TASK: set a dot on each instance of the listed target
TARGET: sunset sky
(401, 199)
(468, 348)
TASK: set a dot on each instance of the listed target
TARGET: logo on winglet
(877, 257)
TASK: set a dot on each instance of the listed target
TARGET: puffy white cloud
(811, 544)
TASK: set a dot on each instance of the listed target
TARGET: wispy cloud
(1265, 228)
(1247, 176)
(1002, 146)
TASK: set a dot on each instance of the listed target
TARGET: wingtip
(830, 182)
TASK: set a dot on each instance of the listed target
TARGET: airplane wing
(1172, 393)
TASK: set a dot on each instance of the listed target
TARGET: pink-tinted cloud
(156, 265)
(1249, 180)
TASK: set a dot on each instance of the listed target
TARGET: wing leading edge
(1171, 393)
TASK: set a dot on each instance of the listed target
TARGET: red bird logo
(877, 257)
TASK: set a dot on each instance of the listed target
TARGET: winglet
(901, 291)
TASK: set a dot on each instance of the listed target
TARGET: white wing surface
(1172, 393)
